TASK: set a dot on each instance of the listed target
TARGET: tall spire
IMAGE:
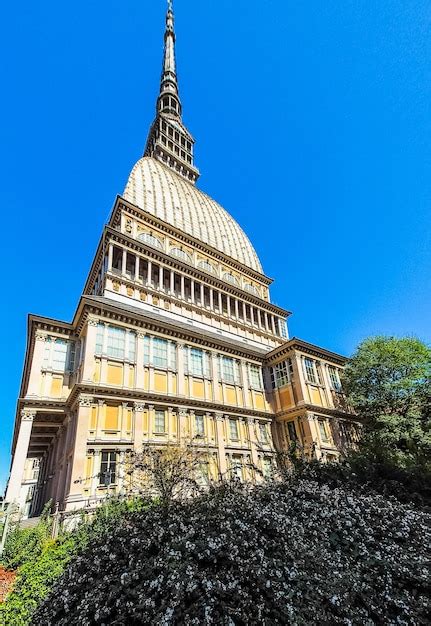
(168, 140)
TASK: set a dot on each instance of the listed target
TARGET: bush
(297, 552)
(24, 544)
(39, 570)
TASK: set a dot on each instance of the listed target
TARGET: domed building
(174, 339)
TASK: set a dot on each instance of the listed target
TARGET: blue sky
(313, 128)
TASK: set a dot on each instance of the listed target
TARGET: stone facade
(174, 338)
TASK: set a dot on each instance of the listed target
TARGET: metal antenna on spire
(170, 6)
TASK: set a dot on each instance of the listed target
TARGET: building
(174, 337)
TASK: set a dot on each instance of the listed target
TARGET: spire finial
(169, 140)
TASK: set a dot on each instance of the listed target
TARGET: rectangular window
(160, 353)
(108, 468)
(116, 342)
(99, 339)
(281, 374)
(229, 370)
(255, 379)
(323, 431)
(267, 467)
(172, 356)
(59, 355)
(263, 433)
(292, 431)
(71, 357)
(146, 350)
(199, 425)
(160, 422)
(132, 346)
(196, 362)
(233, 429)
(334, 378)
(236, 468)
(309, 371)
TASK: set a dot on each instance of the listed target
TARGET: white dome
(158, 190)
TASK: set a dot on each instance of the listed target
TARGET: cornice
(166, 327)
(308, 348)
(312, 408)
(132, 395)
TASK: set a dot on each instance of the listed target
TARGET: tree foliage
(388, 384)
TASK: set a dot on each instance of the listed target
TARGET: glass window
(71, 359)
(229, 370)
(252, 289)
(99, 339)
(180, 254)
(160, 352)
(150, 240)
(147, 350)
(196, 360)
(292, 431)
(159, 422)
(236, 467)
(116, 342)
(310, 373)
(108, 468)
(255, 379)
(281, 374)
(199, 425)
(207, 267)
(59, 355)
(132, 346)
(267, 467)
(230, 278)
(233, 429)
(323, 431)
(334, 378)
(263, 433)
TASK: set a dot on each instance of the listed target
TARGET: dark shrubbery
(41, 560)
(305, 551)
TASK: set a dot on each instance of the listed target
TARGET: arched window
(252, 289)
(230, 278)
(180, 254)
(150, 240)
(206, 267)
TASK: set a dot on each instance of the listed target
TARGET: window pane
(132, 347)
(255, 380)
(309, 371)
(199, 425)
(196, 362)
(108, 468)
(292, 431)
(233, 429)
(159, 423)
(146, 350)
(263, 432)
(116, 342)
(59, 355)
(334, 378)
(323, 432)
(160, 353)
(99, 338)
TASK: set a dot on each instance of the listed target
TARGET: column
(172, 282)
(192, 290)
(220, 303)
(228, 306)
(36, 364)
(259, 318)
(236, 309)
(245, 388)
(79, 455)
(219, 418)
(161, 285)
(110, 256)
(169, 412)
(20, 455)
(90, 349)
(182, 425)
(273, 324)
(183, 293)
(211, 299)
(150, 420)
(138, 426)
(149, 273)
(139, 366)
(137, 263)
(151, 366)
(124, 265)
(253, 319)
(202, 294)
(180, 369)
(265, 317)
(123, 420)
(99, 419)
(96, 471)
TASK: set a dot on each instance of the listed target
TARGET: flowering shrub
(297, 552)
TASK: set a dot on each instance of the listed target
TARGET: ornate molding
(41, 335)
(28, 415)
(85, 401)
(219, 417)
(139, 406)
(92, 320)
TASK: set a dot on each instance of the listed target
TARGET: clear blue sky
(313, 128)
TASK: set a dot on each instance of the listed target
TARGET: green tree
(387, 382)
